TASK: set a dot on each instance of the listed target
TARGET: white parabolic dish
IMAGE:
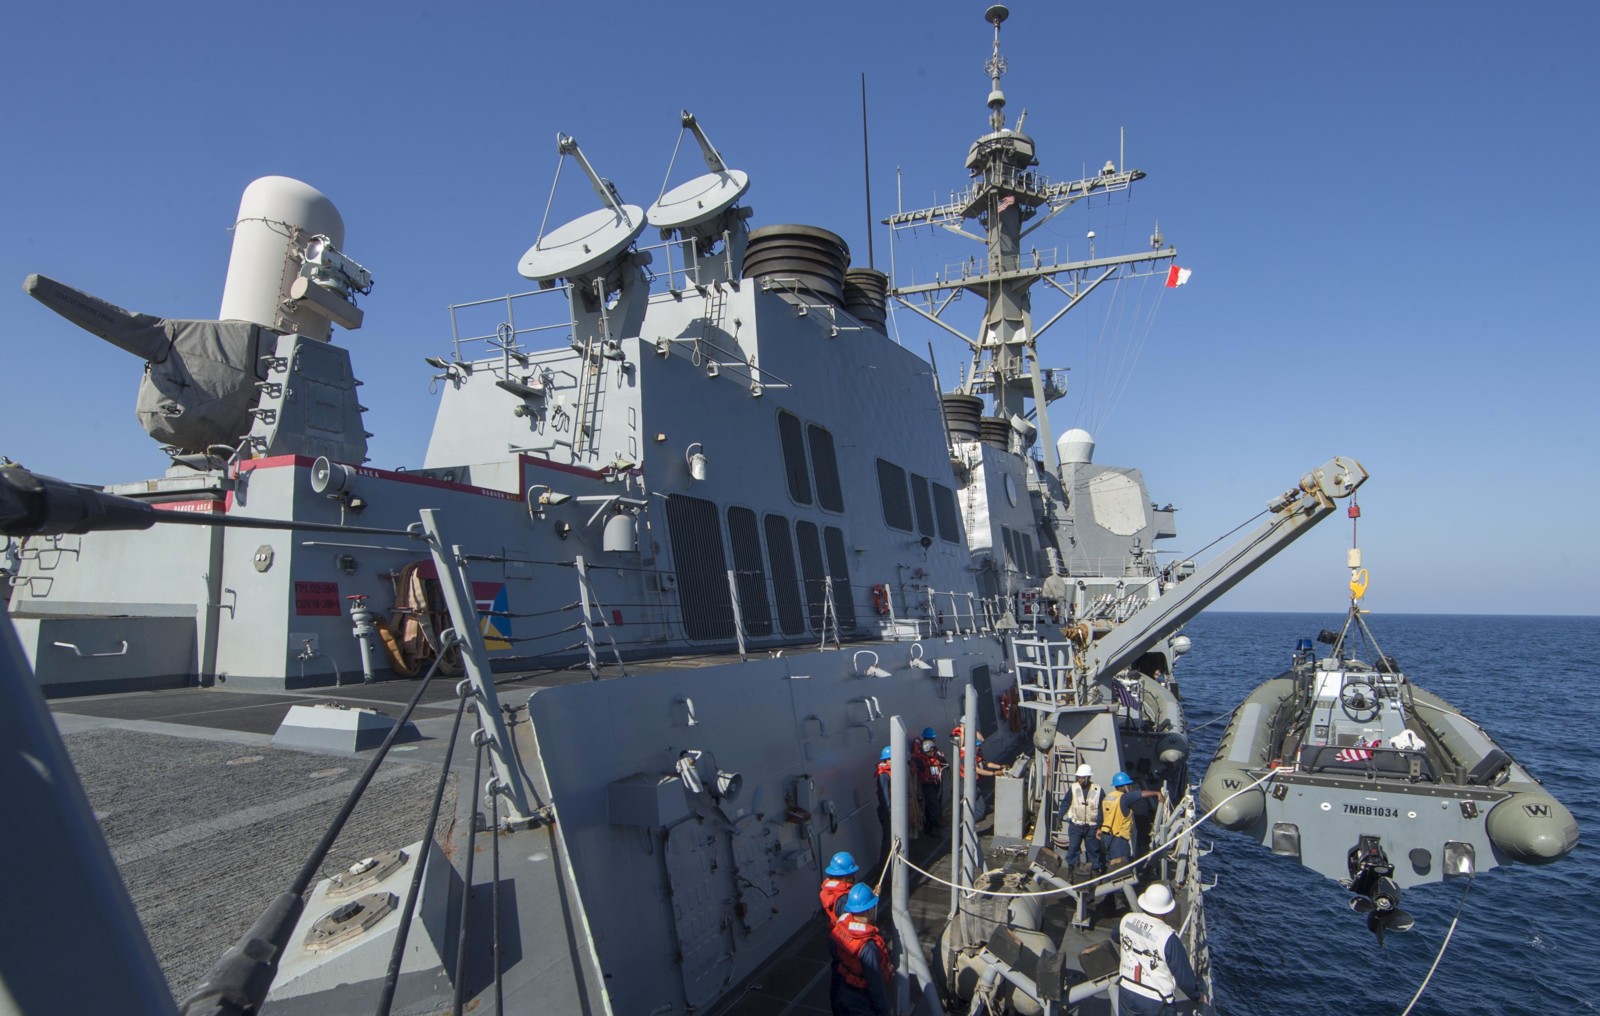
(702, 198)
(583, 244)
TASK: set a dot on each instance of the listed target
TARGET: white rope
(1442, 946)
(900, 855)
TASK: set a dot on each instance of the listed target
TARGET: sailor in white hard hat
(1155, 965)
(1079, 820)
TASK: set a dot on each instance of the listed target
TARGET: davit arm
(1292, 514)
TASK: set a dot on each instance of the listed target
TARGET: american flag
(1126, 696)
(1360, 753)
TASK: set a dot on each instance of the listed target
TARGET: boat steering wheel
(1359, 700)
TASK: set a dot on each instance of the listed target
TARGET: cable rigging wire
(898, 852)
(1442, 947)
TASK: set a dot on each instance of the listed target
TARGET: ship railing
(1122, 567)
(973, 267)
(513, 337)
(1035, 189)
(606, 623)
(718, 361)
(954, 612)
(680, 278)
(1048, 677)
(806, 300)
(1111, 607)
(1180, 868)
(507, 334)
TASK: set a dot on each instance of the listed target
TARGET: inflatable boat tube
(1530, 826)
(1244, 746)
(1173, 747)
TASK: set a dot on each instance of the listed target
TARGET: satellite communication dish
(699, 200)
(582, 245)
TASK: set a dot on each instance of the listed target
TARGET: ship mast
(1008, 200)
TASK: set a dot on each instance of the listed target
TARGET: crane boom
(1292, 513)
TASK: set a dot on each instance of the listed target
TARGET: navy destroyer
(702, 542)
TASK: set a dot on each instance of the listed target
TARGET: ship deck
(796, 982)
(207, 821)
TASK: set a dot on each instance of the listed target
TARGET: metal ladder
(1063, 763)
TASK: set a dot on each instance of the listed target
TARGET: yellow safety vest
(1116, 822)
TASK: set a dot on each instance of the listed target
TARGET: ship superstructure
(1040, 509)
(702, 538)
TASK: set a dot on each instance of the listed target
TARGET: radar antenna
(996, 66)
(586, 246)
(705, 197)
(703, 215)
(1006, 201)
(594, 254)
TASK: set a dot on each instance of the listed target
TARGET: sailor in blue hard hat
(929, 764)
(1116, 824)
(862, 968)
(840, 871)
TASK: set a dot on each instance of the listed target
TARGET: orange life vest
(930, 764)
(850, 936)
(834, 889)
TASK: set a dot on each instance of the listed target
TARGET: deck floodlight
(872, 669)
(541, 497)
(696, 461)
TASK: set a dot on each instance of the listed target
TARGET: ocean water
(1283, 939)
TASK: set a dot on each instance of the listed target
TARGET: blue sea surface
(1283, 939)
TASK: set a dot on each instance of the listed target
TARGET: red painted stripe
(205, 505)
(394, 475)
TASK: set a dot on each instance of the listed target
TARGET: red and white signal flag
(1176, 277)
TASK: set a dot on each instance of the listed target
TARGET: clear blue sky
(1387, 209)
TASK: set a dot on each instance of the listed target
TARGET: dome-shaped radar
(256, 289)
(1075, 447)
